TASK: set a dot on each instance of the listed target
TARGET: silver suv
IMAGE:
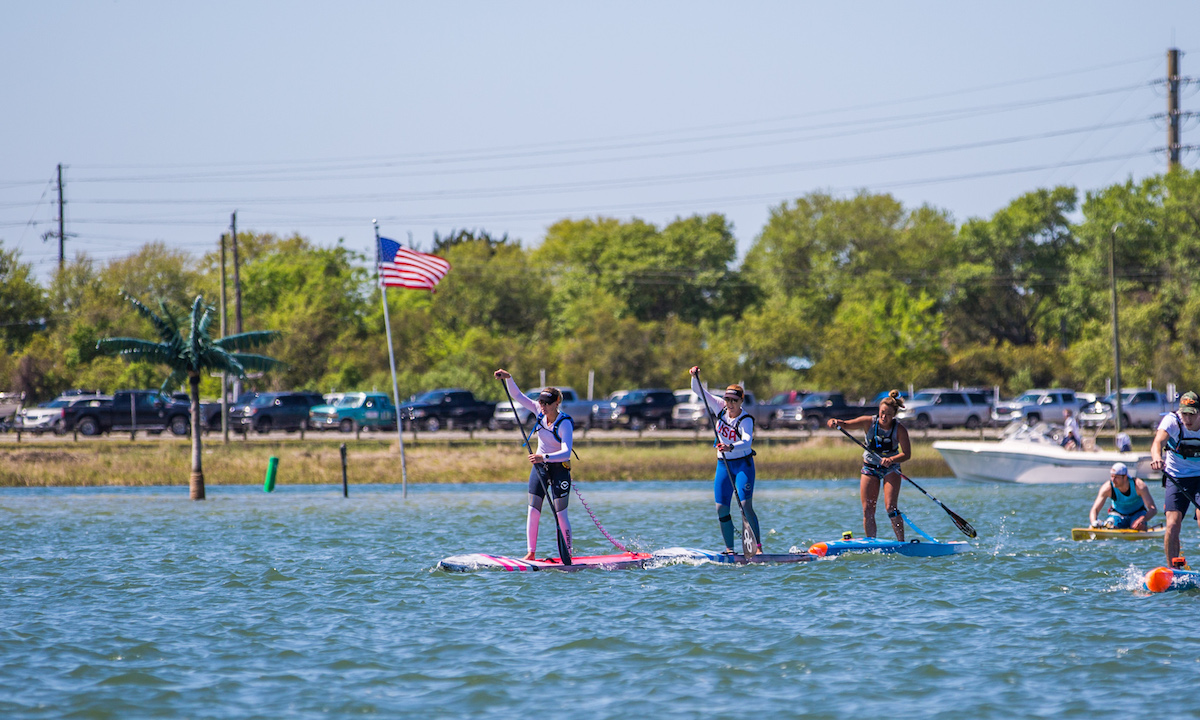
(939, 407)
(1037, 405)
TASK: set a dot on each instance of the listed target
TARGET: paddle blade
(749, 542)
(564, 549)
(961, 524)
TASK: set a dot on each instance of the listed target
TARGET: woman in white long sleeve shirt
(554, 432)
(735, 464)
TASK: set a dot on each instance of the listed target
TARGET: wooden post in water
(345, 484)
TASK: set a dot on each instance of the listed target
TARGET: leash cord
(599, 527)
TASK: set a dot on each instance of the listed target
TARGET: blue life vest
(1126, 504)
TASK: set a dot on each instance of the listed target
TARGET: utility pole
(62, 236)
(1174, 144)
(1116, 334)
(224, 375)
(237, 293)
(62, 224)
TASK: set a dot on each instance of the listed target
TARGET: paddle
(749, 540)
(961, 524)
(564, 550)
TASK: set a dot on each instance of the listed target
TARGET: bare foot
(529, 555)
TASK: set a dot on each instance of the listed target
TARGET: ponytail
(894, 400)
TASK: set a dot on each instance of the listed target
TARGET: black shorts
(1180, 492)
(560, 481)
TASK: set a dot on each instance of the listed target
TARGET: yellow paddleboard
(1156, 532)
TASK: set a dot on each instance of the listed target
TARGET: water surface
(124, 603)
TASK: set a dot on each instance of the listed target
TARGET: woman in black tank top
(887, 446)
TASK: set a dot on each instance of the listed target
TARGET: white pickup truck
(1139, 408)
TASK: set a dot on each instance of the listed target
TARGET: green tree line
(854, 293)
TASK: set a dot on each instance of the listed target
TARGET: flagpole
(387, 324)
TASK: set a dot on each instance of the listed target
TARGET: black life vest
(1183, 446)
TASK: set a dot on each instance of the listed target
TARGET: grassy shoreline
(134, 464)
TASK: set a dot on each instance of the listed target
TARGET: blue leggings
(743, 478)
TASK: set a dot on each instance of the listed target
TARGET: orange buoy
(819, 549)
(1159, 579)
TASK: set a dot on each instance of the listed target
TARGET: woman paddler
(887, 447)
(734, 456)
(553, 458)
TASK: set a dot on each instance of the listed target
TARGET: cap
(1119, 469)
(735, 392)
(1188, 403)
(549, 395)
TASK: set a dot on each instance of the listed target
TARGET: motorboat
(1032, 455)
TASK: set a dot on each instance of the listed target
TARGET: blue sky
(317, 117)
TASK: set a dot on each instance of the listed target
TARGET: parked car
(642, 409)
(446, 408)
(49, 416)
(601, 413)
(148, 410)
(816, 408)
(274, 411)
(1139, 408)
(1036, 405)
(355, 410)
(579, 410)
(940, 407)
(692, 413)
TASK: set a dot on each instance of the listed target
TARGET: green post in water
(272, 466)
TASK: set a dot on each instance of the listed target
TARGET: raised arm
(714, 403)
(517, 395)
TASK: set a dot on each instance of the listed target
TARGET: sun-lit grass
(123, 463)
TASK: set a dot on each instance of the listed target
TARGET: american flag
(401, 267)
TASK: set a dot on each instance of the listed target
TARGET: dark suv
(274, 411)
(640, 409)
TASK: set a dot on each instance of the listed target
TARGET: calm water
(137, 603)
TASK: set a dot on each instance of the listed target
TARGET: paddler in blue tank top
(735, 428)
(1131, 507)
(887, 447)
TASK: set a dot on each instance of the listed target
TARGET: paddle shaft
(564, 550)
(747, 529)
(959, 522)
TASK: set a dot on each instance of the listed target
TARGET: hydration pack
(1186, 448)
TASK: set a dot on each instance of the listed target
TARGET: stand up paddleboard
(1162, 579)
(1100, 533)
(912, 548)
(694, 555)
(480, 561)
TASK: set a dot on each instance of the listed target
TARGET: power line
(653, 134)
(618, 183)
(261, 175)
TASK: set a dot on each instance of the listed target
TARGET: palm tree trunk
(196, 485)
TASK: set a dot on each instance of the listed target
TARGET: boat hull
(483, 561)
(1035, 463)
(1113, 534)
(694, 555)
(1162, 579)
(914, 548)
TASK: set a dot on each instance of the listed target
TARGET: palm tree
(189, 356)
